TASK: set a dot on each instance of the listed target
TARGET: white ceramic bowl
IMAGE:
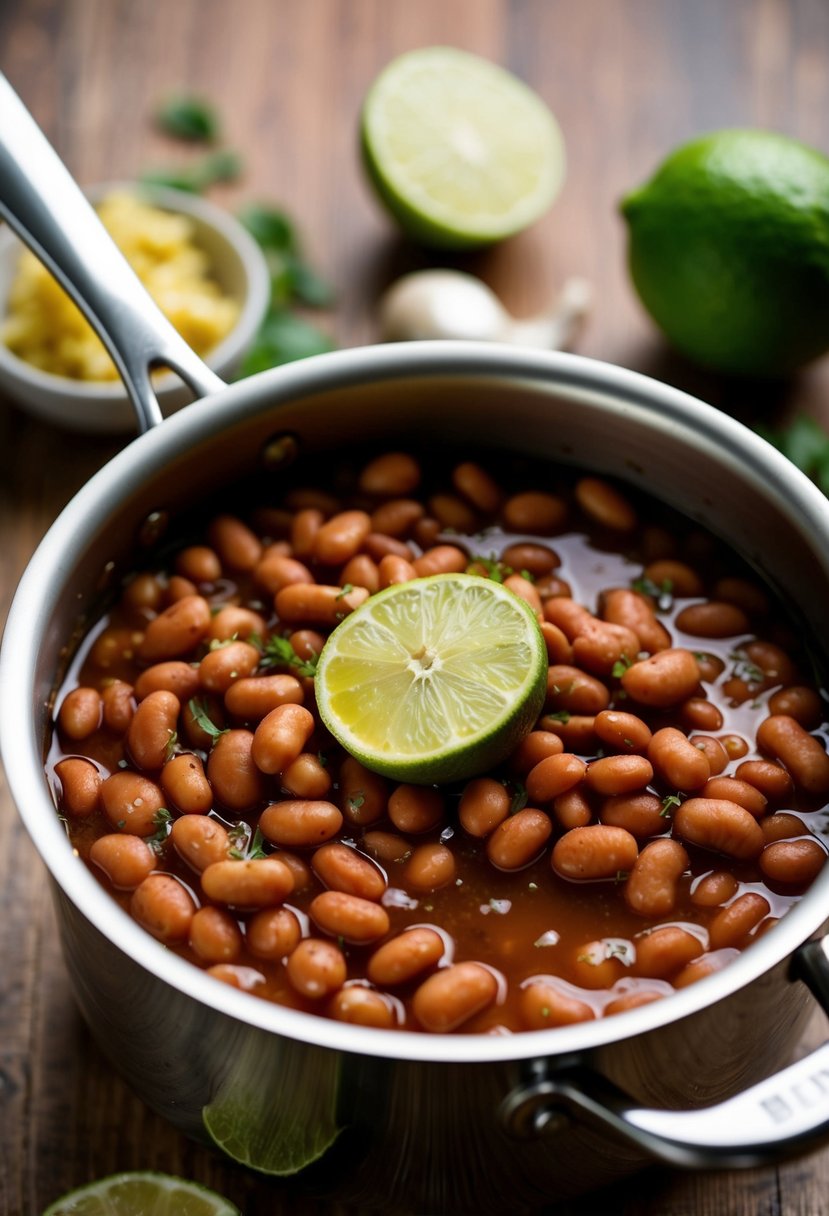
(237, 264)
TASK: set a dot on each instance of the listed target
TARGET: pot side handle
(780, 1116)
(48, 211)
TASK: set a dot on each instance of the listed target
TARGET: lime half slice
(141, 1193)
(461, 152)
(435, 679)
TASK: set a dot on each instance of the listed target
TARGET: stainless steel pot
(407, 1122)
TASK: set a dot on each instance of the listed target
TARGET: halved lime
(141, 1193)
(460, 151)
(435, 679)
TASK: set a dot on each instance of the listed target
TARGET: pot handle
(48, 211)
(779, 1116)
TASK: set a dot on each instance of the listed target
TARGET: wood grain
(628, 80)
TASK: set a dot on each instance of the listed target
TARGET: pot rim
(32, 606)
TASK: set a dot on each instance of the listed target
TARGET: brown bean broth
(526, 924)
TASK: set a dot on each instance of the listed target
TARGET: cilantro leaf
(184, 116)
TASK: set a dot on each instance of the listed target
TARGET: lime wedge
(434, 679)
(141, 1193)
(461, 152)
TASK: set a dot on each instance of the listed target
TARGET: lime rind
(460, 151)
(435, 679)
(139, 1192)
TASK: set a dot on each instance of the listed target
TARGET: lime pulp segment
(140, 1193)
(433, 678)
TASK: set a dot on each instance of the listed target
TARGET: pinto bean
(594, 968)
(233, 773)
(553, 776)
(233, 622)
(390, 475)
(387, 846)
(430, 867)
(720, 825)
(164, 907)
(538, 745)
(621, 606)
(484, 804)
(377, 546)
(306, 777)
(535, 511)
(614, 775)
(397, 517)
(199, 563)
(350, 917)
(393, 569)
(519, 839)
(80, 786)
(575, 731)
(80, 713)
(594, 852)
(707, 964)
(272, 933)
(361, 1007)
(453, 513)
(535, 559)
(416, 808)
(676, 577)
(769, 778)
(737, 791)
(714, 751)
(403, 957)
(185, 784)
(558, 646)
(676, 761)
(453, 995)
(631, 1000)
(200, 720)
(173, 676)
(118, 706)
(662, 953)
(604, 504)
(651, 889)
(126, 860)
(600, 646)
(567, 615)
(698, 714)
(524, 589)
(344, 869)
(131, 802)
(252, 698)
(798, 702)
(640, 814)
(179, 588)
(305, 524)
(281, 736)
(571, 690)
(441, 559)
(260, 882)
(153, 729)
(784, 739)
(363, 795)
(665, 679)
(712, 619)
(176, 631)
(337, 540)
(714, 889)
(201, 841)
(793, 863)
(621, 731)
(237, 546)
(299, 823)
(732, 925)
(477, 486)
(542, 1005)
(215, 936)
(316, 603)
(775, 664)
(277, 570)
(316, 968)
(361, 571)
(221, 668)
(572, 809)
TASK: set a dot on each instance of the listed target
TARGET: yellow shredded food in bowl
(46, 329)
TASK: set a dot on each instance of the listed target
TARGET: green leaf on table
(185, 116)
(805, 443)
(292, 279)
(282, 338)
(223, 165)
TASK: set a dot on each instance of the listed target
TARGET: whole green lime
(729, 251)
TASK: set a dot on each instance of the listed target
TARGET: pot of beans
(494, 978)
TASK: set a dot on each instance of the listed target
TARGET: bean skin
(699, 714)
(484, 804)
(630, 1000)
(559, 649)
(622, 731)
(300, 824)
(176, 631)
(201, 841)
(393, 569)
(316, 603)
(712, 619)
(453, 995)
(233, 773)
(621, 606)
(131, 803)
(575, 731)
(614, 775)
(741, 792)
(193, 730)
(676, 761)
(452, 513)
(80, 713)
(261, 882)
(665, 679)
(535, 511)
(253, 698)
(340, 537)
(361, 1007)
(793, 863)
(430, 867)
(302, 874)
(567, 615)
(343, 869)
(387, 846)
(390, 475)
(732, 925)
(153, 729)
(80, 784)
(574, 691)
(126, 860)
(377, 546)
(179, 588)
(316, 968)
(233, 622)
(350, 917)
(164, 907)
(769, 778)
(519, 839)
(118, 705)
(403, 957)
(682, 579)
(199, 563)
(215, 936)
(416, 808)
(782, 826)
(554, 776)
(640, 814)
(600, 645)
(361, 571)
(662, 953)
(237, 546)
(441, 559)
(538, 745)
(714, 889)
(536, 559)
(185, 785)
(713, 750)
(798, 702)
(707, 964)
(542, 1005)
(784, 739)
(273, 933)
(651, 889)
(524, 589)
(397, 517)
(594, 852)
(724, 827)
(220, 668)
(363, 795)
(306, 777)
(281, 736)
(572, 809)
(593, 968)
(173, 676)
(604, 504)
(277, 570)
(775, 664)
(478, 487)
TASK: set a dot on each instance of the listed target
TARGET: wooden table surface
(628, 79)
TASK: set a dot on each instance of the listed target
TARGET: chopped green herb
(221, 166)
(161, 822)
(519, 798)
(278, 652)
(198, 709)
(661, 592)
(545, 1011)
(283, 337)
(668, 804)
(560, 715)
(184, 116)
(806, 444)
(622, 875)
(172, 746)
(494, 569)
(344, 590)
(356, 800)
(256, 848)
(620, 667)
